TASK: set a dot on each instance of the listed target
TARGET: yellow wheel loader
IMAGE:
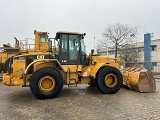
(67, 64)
(40, 45)
(6, 52)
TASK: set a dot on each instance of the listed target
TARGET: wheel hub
(110, 80)
(47, 84)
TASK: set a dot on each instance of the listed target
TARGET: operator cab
(41, 41)
(71, 48)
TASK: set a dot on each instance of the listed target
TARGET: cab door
(70, 49)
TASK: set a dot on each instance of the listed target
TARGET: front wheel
(46, 83)
(109, 80)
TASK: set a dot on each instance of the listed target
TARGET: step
(72, 81)
(0, 76)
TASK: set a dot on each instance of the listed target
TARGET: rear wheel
(46, 83)
(1, 67)
(109, 80)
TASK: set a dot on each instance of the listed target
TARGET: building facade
(139, 48)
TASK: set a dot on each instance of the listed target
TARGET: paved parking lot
(79, 103)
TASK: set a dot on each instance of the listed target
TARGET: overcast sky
(19, 18)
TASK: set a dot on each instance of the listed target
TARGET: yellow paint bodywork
(138, 79)
(71, 74)
(38, 64)
(9, 80)
(15, 78)
(5, 56)
(17, 65)
(84, 80)
(39, 47)
(100, 61)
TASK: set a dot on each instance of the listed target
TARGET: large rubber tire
(46, 74)
(1, 67)
(109, 80)
(92, 83)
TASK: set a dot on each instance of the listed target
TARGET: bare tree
(119, 35)
(129, 53)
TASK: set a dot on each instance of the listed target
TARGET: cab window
(42, 38)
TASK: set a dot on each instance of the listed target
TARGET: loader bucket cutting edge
(138, 79)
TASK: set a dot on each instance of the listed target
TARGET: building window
(154, 63)
(153, 48)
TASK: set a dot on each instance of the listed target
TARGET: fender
(41, 60)
(95, 69)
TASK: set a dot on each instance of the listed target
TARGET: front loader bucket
(138, 79)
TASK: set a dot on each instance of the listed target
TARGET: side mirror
(92, 51)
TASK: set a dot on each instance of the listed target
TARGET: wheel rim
(110, 80)
(47, 84)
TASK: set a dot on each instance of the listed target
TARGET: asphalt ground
(79, 103)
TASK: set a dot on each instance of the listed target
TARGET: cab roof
(66, 32)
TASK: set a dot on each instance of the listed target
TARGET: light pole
(107, 45)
